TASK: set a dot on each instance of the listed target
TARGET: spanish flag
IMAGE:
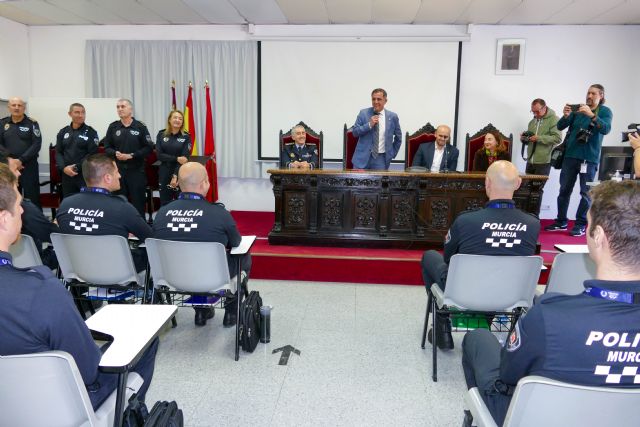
(190, 124)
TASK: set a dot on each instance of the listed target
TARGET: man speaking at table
(379, 135)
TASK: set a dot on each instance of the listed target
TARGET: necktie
(376, 141)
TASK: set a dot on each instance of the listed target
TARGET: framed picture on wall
(510, 56)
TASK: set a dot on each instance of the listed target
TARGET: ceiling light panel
(131, 11)
(487, 11)
(216, 11)
(395, 11)
(350, 12)
(12, 13)
(260, 12)
(50, 12)
(439, 12)
(304, 11)
(174, 11)
(582, 11)
(534, 11)
(93, 12)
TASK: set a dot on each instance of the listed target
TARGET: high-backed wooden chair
(53, 197)
(474, 142)
(349, 143)
(426, 133)
(313, 138)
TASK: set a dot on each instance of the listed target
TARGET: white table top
(132, 327)
(244, 246)
(573, 249)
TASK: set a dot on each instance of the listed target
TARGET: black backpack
(250, 321)
(165, 414)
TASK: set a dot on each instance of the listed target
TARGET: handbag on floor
(165, 414)
(250, 321)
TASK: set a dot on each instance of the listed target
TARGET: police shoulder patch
(515, 339)
(447, 238)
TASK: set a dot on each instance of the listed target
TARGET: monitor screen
(613, 159)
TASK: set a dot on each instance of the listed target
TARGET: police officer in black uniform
(52, 321)
(128, 140)
(192, 218)
(590, 339)
(73, 144)
(34, 223)
(299, 154)
(173, 145)
(20, 135)
(95, 210)
(498, 229)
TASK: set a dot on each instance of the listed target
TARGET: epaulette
(311, 144)
(32, 119)
(218, 204)
(289, 144)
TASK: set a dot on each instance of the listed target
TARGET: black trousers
(71, 184)
(165, 172)
(481, 365)
(133, 184)
(29, 182)
(434, 269)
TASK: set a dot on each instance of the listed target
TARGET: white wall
(14, 60)
(560, 63)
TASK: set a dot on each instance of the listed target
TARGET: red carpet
(352, 265)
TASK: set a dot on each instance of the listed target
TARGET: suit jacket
(361, 130)
(424, 156)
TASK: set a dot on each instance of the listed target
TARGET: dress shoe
(445, 340)
(230, 317)
(202, 314)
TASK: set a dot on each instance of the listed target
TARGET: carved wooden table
(379, 208)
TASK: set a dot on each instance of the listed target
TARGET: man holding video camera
(587, 123)
(541, 136)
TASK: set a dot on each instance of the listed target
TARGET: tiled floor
(360, 364)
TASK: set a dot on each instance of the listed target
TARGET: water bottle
(265, 321)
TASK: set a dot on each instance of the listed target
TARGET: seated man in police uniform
(498, 229)
(191, 218)
(299, 154)
(96, 211)
(589, 339)
(34, 223)
(41, 311)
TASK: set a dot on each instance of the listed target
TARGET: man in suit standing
(438, 156)
(379, 135)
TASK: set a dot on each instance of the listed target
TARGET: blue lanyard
(190, 196)
(501, 205)
(5, 261)
(626, 297)
(95, 190)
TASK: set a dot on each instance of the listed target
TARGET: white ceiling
(265, 12)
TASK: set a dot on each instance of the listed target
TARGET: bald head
(501, 180)
(192, 178)
(443, 133)
(16, 108)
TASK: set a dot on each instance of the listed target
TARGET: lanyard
(95, 190)
(190, 196)
(5, 261)
(626, 297)
(501, 205)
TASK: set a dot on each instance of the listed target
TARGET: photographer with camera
(541, 136)
(587, 123)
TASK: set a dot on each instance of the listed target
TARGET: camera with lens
(525, 138)
(633, 127)
(574, 107)
(583, 135)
